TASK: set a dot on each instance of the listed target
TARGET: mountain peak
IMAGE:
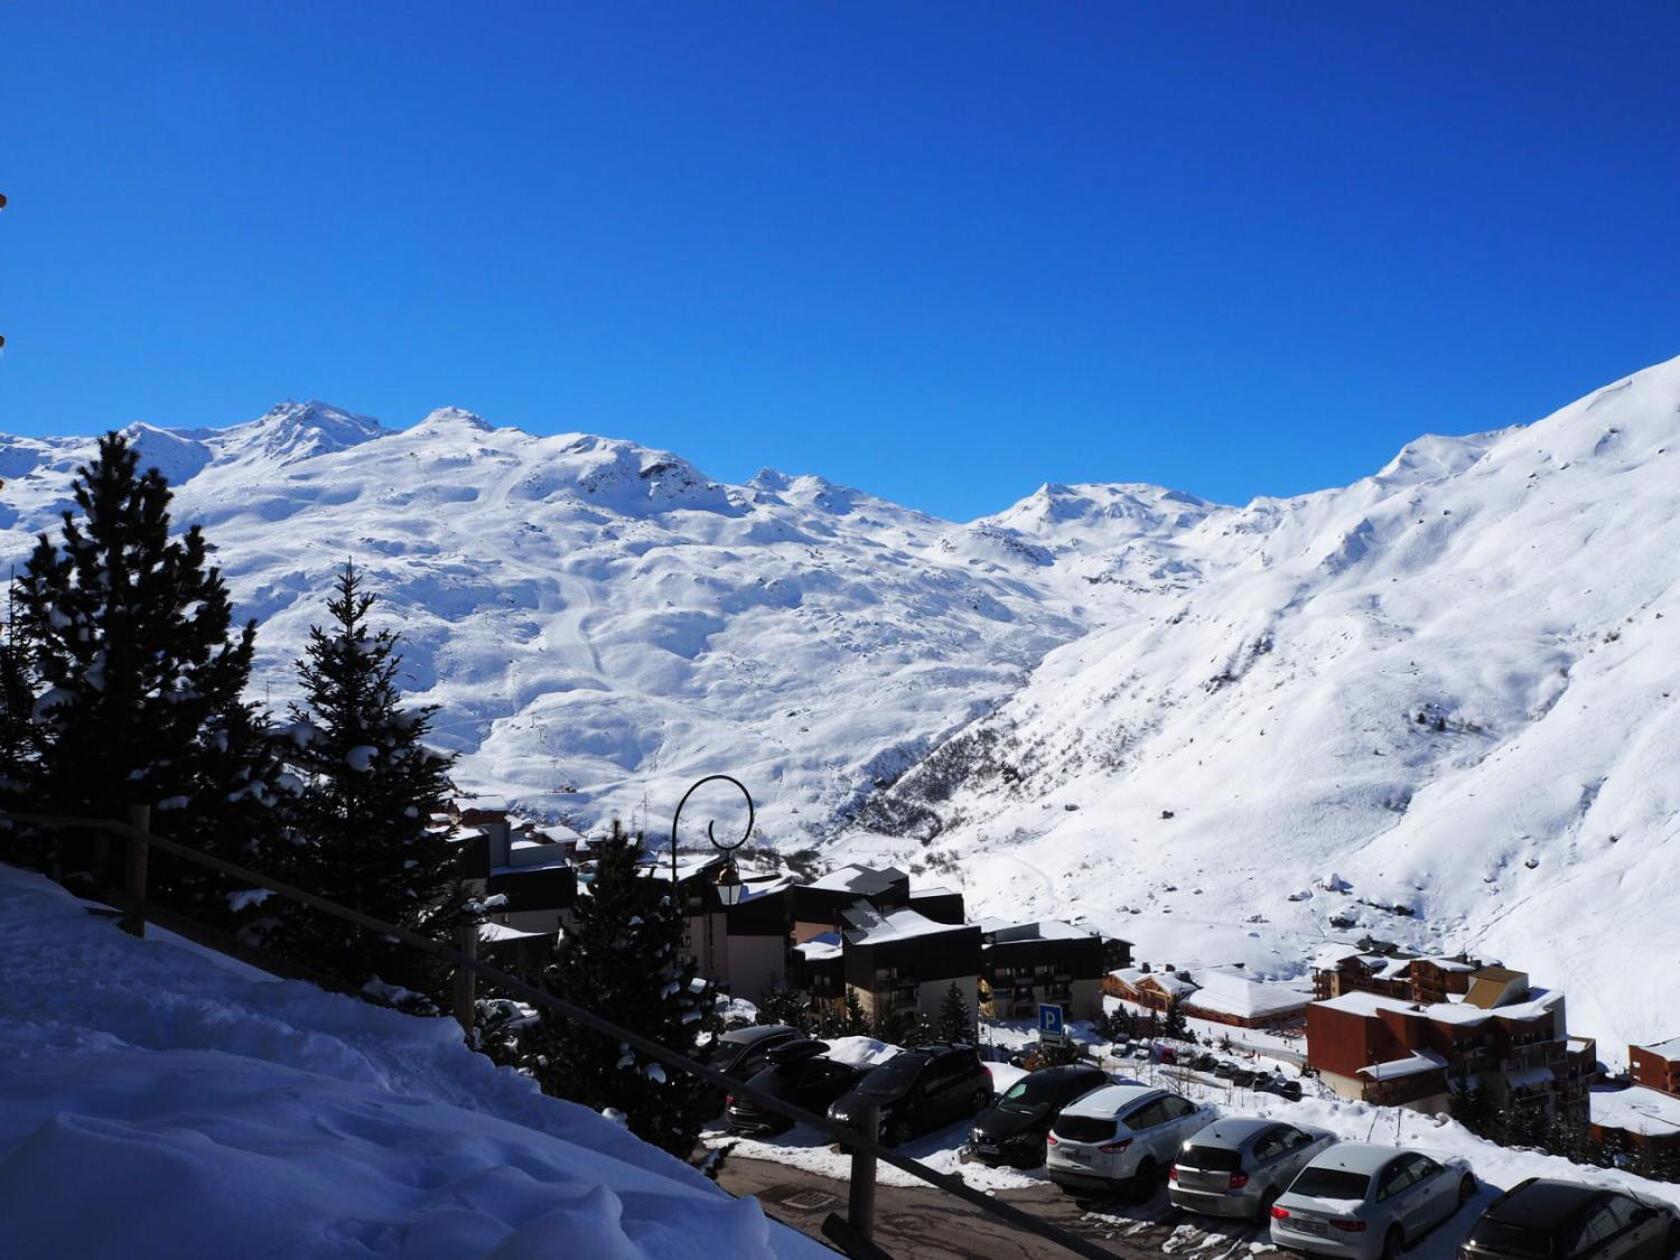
(291, 430)
(455, 418)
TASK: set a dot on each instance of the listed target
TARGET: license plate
(1311, 1227)
(1079, 1157)
(985, 1149)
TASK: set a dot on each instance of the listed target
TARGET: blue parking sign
(1050, 1020)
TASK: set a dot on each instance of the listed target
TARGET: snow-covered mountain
(1446, 685)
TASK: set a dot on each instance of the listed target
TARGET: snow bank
(153, 1104)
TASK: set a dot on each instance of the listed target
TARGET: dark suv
(1541, 1219)
(742, 1052)
(919, 1091)
(1012, 1130)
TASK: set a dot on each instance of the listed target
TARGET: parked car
(799, 1073)
(1244, 1077)
(1362, 1202)
(1542, 1219)
(918, 1091)
(743, 1052)
(1120, 1137)
(1013, 1129)
(1239, 1167)
(1224, 1069)
(1205, 1062)
(1282, 1086)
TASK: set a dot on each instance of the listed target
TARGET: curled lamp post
(729, 884)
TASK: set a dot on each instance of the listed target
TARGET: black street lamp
(729, 885)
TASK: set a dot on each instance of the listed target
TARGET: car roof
(757, 1032)
(1356, 1157)
(1064, 1071)
(1544, 1202)
(1111, 1100)
(1232, 1132)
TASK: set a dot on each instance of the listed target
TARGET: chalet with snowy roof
(1024, 964)
(1158, 990)
(818, 906)
(1637, 1118)
(1657, 1066)
(901, 961)
(526, 878)
(741, 948)
(1502, 1035)
(1384, 969)
(1230, 995)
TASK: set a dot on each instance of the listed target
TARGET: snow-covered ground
(156, 1104)
(1453, 683)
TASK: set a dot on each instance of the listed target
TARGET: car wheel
(1143, 1181)
(981, 1100)
(1267, 1202)
(1394, 1242)
(898, 1132)
(1466, 1189)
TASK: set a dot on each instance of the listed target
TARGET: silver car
(1362, 1202)
(1238, 1167)
(1120, 1136)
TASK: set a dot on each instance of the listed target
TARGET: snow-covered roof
(1232, 992)
(828, 945)
(1170, 984)
(862, 880)
(870, 927)
(501, 932)
(1040, 930)
(931, 890)
(1669, 1049)
(1637, 1109)
(1539, 1002)
(1414, 1064)
(658, 866)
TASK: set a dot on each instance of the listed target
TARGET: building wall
(1279, 1019)
(755, 964)
(1083, 1000)
(929, 998)
(1653, 1071)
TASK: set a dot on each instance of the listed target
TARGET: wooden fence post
(466, 980)
(134, 914)
(860, 1200)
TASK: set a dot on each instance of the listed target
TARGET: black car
(1282, 1086)
(743, 1052)
(918, 1091)
(798, 1073)
(1541, 1219)
(1012, 1130)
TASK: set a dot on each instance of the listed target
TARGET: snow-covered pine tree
(955, 1023)
(130, 633)
(370, 787)
(622, 961)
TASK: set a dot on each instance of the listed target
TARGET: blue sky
(942, 252)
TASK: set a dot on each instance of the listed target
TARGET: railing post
(860, 1201)
(466, 979)
(134, 915)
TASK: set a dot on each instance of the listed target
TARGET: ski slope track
(1437, 705)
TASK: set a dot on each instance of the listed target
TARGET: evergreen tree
(785, 1006)
(856, 1022)
(17, 704)
(955, 1024)
(621, 960)
(1175, 1027)
(370, 786)
(130, 634)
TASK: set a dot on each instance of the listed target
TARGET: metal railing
(854, 1232)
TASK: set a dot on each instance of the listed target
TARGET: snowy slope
(601, 622)
(155, 1104)
(1019, 700)
(1455, 685)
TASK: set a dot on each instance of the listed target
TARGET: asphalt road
(917, 1224)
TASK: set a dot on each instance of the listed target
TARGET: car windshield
(896, 1074)
(1031, 1093)
(1210, 1158)
(1331, 1183)
(1511, 1239)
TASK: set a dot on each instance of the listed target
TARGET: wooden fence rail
(854, 1233)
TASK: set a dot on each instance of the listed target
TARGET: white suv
(1120, 1136)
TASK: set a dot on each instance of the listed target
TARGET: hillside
(1443, 692)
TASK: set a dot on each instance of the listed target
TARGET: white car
(1120, 1136)
(1360, 1202)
